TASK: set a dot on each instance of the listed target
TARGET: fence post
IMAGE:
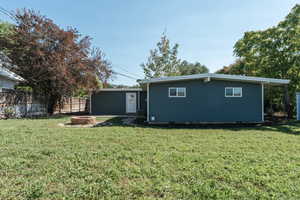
(79, 104)
(71, 109)
(25, 104)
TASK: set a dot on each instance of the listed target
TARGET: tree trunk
(270, 111)
(52, 102)
(287, 103)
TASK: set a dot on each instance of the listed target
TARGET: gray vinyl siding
(114, 102)
(108, 103)
(205, 102)
(143, 102)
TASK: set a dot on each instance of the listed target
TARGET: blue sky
(126, 30)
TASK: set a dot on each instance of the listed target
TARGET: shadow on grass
(112, 121)
(291, 127)
(288, 128)
(54, 116)
(116, 121)
(57, 116)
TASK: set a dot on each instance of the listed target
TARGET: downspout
(148, 97)
(90, 103)
(262, 103)
(139, 99)
(287, 102)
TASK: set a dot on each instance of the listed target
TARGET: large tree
(162, 61)
(102, 66)
(6, 29)
(238, 67)
(274, 52)
(187, 68)
(54, 62)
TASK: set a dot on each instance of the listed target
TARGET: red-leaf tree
(54, 62)
(103, 67)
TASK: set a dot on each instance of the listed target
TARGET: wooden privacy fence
(21, 104)
(73, 105)
(25, 104)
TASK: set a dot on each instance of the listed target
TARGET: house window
(177, 92)
(233, 92)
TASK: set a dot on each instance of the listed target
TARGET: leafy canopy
(163, 61)
(274, 53)
(238, 67)
(187, 68)
(54, 62)
(5, 28)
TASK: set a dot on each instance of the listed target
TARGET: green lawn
(40, 160)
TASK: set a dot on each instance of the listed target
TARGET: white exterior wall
(6, 83)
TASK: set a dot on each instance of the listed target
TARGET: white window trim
(233, 92)
(177, 92)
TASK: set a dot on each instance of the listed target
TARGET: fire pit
(83, 120)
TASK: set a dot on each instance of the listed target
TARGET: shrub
(9, 113)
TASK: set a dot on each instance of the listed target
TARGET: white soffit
(219, 77)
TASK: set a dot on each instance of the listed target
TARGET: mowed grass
(40, 160)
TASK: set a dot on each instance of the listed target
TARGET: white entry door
(131, 102)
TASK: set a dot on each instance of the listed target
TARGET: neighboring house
(200, 98)
(28, 106)
(8, 79)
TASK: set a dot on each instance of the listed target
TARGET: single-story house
(200, 98)
(8, 79)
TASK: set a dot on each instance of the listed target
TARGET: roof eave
(119, 89)
(12, 78)
(270, 81)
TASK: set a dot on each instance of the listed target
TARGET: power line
(125, 70)
(125, 75)
(8, 13)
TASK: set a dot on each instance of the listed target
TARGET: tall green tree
(6, 29)
(163, 60)
(274, 52)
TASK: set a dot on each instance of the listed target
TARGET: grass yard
(40, 160)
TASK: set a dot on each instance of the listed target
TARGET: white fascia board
(251, 79)
(11, 76)
(217, 76)
(174, 78)
(121, 89)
